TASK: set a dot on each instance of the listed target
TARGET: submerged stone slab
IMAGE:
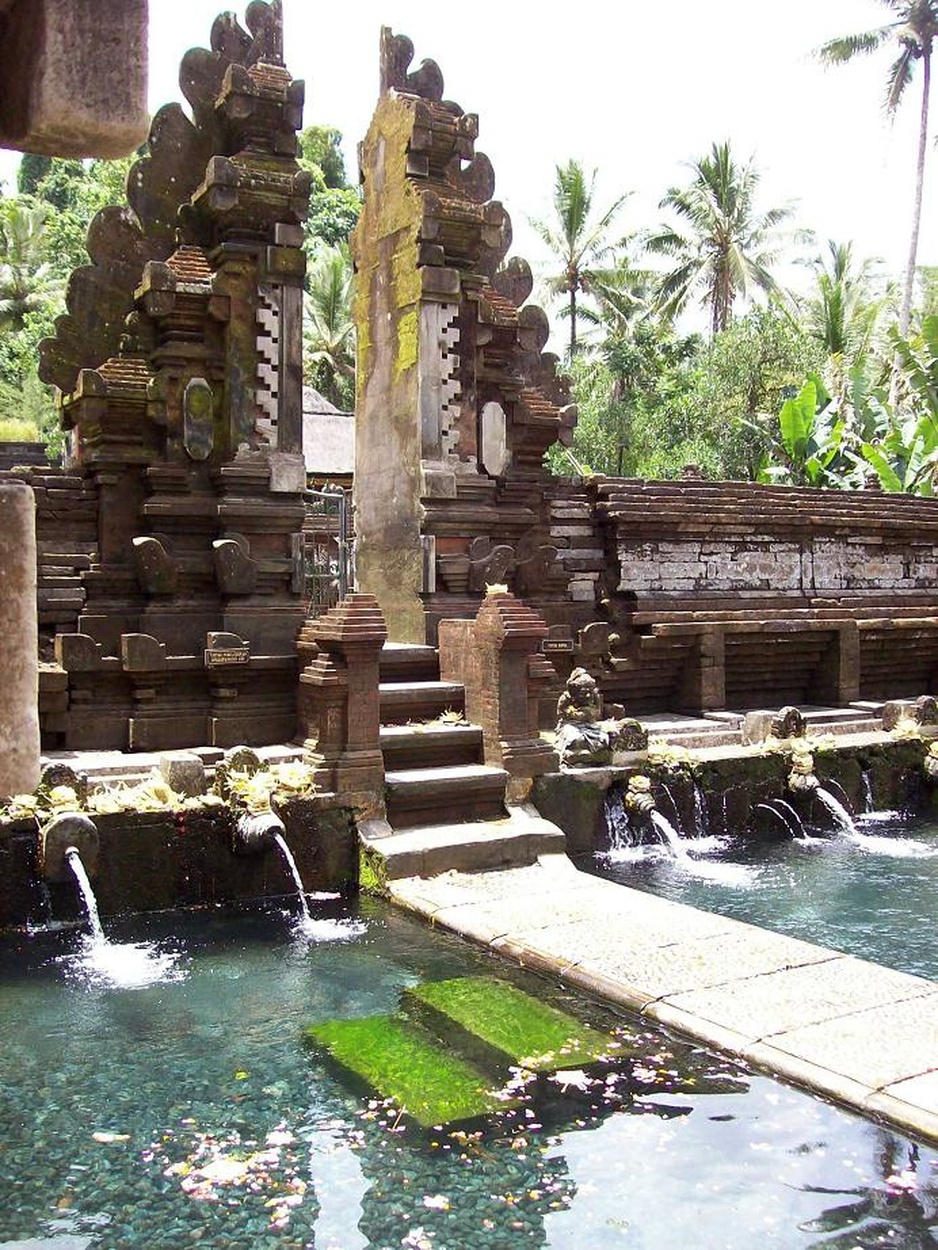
(495, 1023)
(400, 1061)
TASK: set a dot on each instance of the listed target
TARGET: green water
(874, 898)
(183, 1109)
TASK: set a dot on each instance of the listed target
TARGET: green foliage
(32, 169)
(15, 429)
(333, 214)
(77, 191)
(653, 401)
(322, 146)
(42, 238)
(741, 380)
(328, 328)
(845, 308)
(811, 436)
(334, 205)
(904, 456)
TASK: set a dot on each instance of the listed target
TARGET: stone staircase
(445, 806)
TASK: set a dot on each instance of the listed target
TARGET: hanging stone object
(198, 419)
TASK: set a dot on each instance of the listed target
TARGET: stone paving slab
(798, 996)
(861, 1034)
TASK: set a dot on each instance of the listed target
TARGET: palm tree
(328, 328)
(577, 238)
(27, 280)
(844, 310)
(726, 248)
(913, 32)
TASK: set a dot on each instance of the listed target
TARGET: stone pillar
(702, 685)
(497, 658)
(837, 680)
(19, 690)
(339, 704)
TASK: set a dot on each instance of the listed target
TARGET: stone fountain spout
(256, 833)
(62, 832)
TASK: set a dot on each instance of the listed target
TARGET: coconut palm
(912, 34)
(578, 238)
(723, 247)
(328, 328)
(845, 307)
(27, 280)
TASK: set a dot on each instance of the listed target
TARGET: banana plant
(810, 440)
(905, 457)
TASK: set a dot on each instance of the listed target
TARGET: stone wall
(149, 861)
(698, 596)
(701, 538)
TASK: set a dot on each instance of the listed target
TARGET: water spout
(901, 848)
(73, 859)
(795, 816)
(666, 791)
(257, 832)
(669, 836)
(621, 834)
(701, 815)
(842, 817)
(866, 777)
(64, 832)
(779, 815)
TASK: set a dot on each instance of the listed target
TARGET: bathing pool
(162, 1097)
(870, 893)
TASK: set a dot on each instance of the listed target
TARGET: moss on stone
(492, 1021)
(407, 339)
(372, 872)
(398, 1060)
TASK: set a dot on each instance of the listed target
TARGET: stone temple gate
(170, 580)
(457, 401)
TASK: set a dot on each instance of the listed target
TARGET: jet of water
(90, 903)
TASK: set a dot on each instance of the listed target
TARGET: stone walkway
(856, 1032)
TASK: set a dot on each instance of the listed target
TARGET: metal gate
(325, 548)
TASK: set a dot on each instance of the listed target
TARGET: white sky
(632, 89)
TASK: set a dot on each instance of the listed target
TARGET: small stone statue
(581, 703)
(584, 739)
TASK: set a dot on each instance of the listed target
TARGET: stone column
(497, 658)
(19, 690)
(339, 704)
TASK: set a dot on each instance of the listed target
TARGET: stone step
(499, 1027)
(396, 1058)
(430, 746)
(415, 701)
(406, 661)
(517, 840)
(423, 796)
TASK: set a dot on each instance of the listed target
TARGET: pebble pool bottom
(163, 1097)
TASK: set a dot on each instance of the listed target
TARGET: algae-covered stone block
(397, 1059)
(493, 1022)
